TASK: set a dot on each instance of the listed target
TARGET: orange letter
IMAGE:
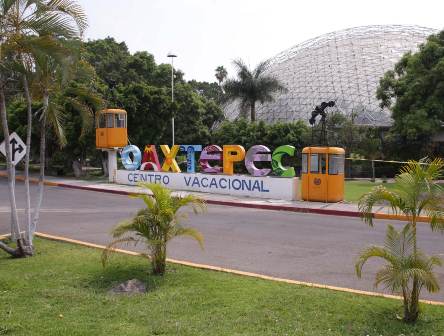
(232, 153)
(170, 161)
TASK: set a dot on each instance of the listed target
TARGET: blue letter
(191, 162)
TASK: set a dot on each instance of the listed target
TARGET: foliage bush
(242, 132)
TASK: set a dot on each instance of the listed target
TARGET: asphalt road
(306, 247)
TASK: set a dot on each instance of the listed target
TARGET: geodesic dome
(344, 66)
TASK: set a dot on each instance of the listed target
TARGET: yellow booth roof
(112, 111)
(328, 150)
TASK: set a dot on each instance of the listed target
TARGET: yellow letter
(230, 158)
(170, 161)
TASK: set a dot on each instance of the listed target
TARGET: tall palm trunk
(28, 147)
(414, 298)
(42, 162)
(253, 111)
(15, 228)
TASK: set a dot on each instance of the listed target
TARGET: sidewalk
(332, 209)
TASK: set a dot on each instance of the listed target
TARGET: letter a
(150, 159)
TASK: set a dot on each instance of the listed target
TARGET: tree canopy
(414, 91)
(251, 86)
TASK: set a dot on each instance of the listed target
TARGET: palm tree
(157, 224)
(53, 75)
(252, 86)
(416, 194)
(26, 24)
(404, 269)
(221, 74)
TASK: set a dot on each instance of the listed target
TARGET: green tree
(195, 115)
(157, 224)
(416, 194)
(78, 100)
(110, 60)
(414, 92)
(30, 29)
(143, 89)
(210, 91)
(252, 86)
(52, 76)
(149, 110)
(247, 134)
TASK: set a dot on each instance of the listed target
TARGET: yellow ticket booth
(111, 129)
(323, 174)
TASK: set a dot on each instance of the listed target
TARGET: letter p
(232, 153)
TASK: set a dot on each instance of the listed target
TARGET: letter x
(170, 158)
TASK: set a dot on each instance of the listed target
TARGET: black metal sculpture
(320, 110)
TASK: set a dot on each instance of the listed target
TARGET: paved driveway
(306, 247)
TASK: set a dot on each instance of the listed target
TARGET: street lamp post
(171, 55)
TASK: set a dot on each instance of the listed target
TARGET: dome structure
(344, 66)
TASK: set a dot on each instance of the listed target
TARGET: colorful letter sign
(170, 158)
(131, 157)
(276, 162)
(210, 153)
(255, 154)
(150, 159)
(191, 159)
(232, 153)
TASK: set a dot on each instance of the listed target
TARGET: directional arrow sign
(17, 148)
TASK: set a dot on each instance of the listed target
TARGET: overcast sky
(208, 33)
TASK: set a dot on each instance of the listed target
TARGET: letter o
(239, 184)
(128, 163)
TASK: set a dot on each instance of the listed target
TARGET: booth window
(120, 120)
(335, 164)
(109, 120)
(322, 163)
(304, 163)
(314, 163)
(101, 121)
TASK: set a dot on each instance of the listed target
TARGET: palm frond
(403, 264)
(55, 117)
(376, 196)
(73, 10)
(372, 252)
(197, 204)
(122, 228)
(190, 232)
(251, 86)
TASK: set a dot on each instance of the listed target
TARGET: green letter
(276, 161)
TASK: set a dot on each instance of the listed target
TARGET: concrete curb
(276, 207)
(237, 272)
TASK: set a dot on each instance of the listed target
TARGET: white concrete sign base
(237, 185)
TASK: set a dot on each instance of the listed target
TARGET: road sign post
(17, 148)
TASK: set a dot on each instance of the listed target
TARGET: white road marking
(79, 211)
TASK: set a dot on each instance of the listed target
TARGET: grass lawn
(63, 291)
(355, 189)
